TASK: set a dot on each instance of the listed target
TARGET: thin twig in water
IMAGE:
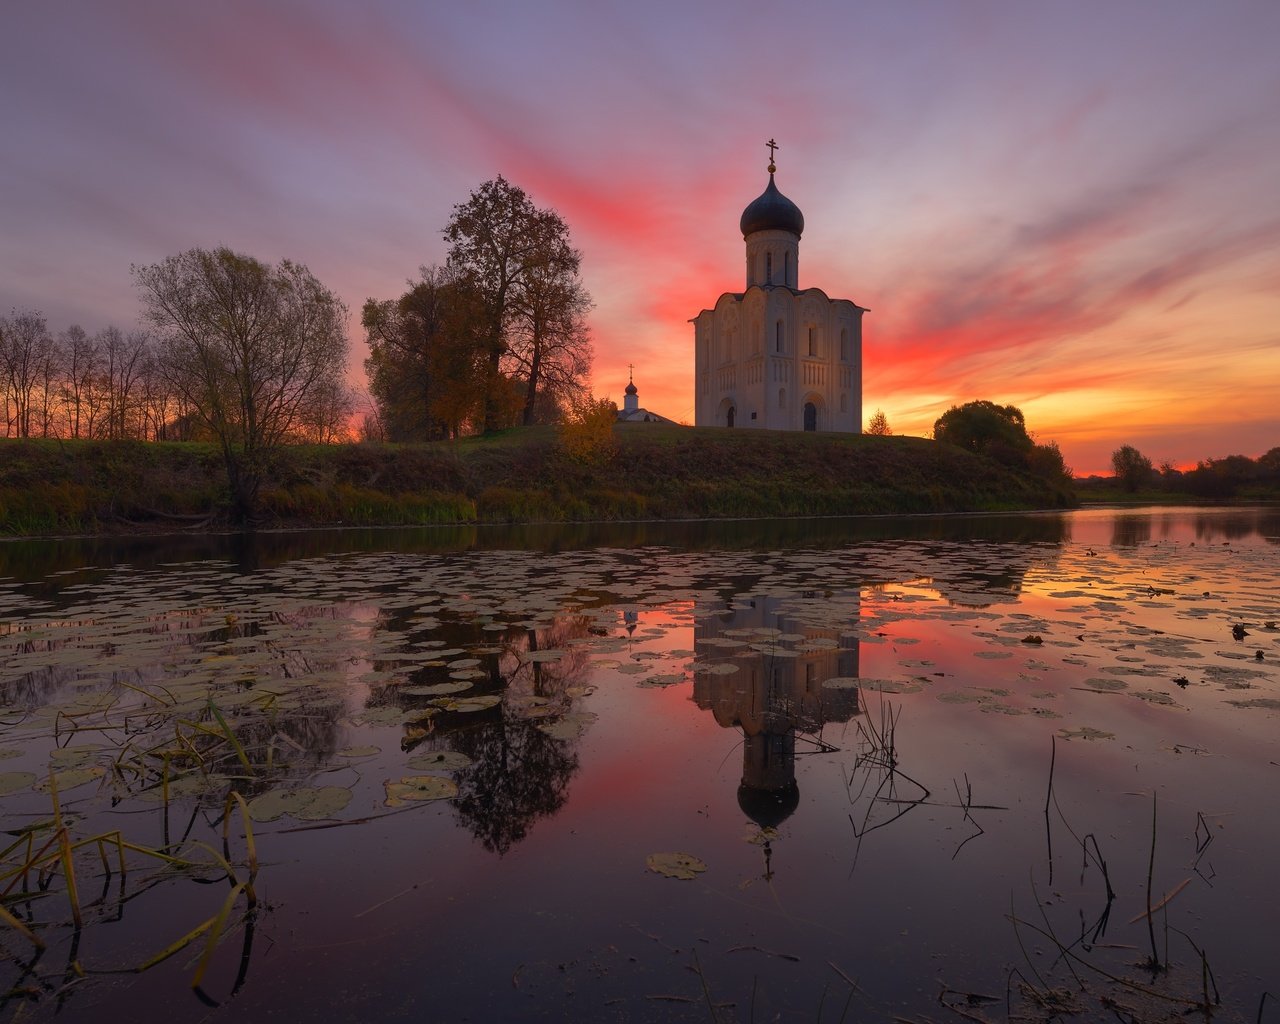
(1048, 830)
(1151, 867)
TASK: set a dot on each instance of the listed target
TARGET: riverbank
(652, 472)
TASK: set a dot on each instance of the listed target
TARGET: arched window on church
(782, 398)
(768, 268)
(844, 402)
(777, 336)
(813, 341)
(844, 344)
(786, 269)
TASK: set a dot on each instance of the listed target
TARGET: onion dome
(631, 388)
(772, 211)
(768, 808)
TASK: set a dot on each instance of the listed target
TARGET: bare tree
(79, 368)
(25, 351)
(123, 359)
(250, 348)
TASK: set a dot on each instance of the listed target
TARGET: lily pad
(12, 782)
(684, 866)
(440, 760)
(308, 804)
(568, 727)
(1086, 732)
(419, 787)
(73, 777)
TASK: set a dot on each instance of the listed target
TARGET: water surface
(902, 761)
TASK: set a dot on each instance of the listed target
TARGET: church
(775, 355)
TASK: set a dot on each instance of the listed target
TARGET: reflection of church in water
(771, 697)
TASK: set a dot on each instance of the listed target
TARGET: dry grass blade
(250, 846)
(176, 947)
(69, 872)
(231, 737)
(1164, 900)
(18, 925)
(217, 924)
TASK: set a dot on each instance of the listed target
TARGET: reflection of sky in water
(601, 704)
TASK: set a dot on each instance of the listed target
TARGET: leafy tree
(1132, 468)
(519, 260)
(879, 425)
(1046, 461)
(427, 360)
(249, 348)
(986, 428)
(1000, 432)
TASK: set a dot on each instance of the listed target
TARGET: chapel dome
(772, 211)
(631, 388)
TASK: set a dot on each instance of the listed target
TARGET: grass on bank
(651, 471)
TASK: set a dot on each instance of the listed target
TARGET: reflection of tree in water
(773, 697)
(980, 574)
(519, 773)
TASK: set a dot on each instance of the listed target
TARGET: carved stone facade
(777, 356)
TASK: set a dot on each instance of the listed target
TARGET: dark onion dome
(631, 388)
(768, 808)
(772, 211)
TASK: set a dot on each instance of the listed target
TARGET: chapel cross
(631, 372)
(772, 146)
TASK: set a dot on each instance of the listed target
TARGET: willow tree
(520, 262)
(249, 348)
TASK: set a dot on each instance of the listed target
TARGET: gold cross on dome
(772, 146)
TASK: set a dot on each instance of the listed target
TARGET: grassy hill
(656, 472)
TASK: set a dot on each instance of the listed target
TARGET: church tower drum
(773, 355)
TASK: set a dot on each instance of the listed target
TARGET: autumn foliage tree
(518, 260)
(878, 425)
(427, 363)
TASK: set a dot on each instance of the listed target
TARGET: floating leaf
(420, 787)
(73, 777)
(307, 804)
(12, 782)
(367, 751)
(568, 727)
(684, 866)
(468, 704)
(441, 760)
(1086, 732)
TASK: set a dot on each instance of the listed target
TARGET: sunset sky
(1073, 207)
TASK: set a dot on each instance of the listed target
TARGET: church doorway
(810, 416)
(727, 414)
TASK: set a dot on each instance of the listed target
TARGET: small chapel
(774, 355)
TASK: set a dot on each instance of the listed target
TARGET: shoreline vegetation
(52, 487)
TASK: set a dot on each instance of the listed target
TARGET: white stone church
(775, 355)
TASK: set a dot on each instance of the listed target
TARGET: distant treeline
(1229, 477)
